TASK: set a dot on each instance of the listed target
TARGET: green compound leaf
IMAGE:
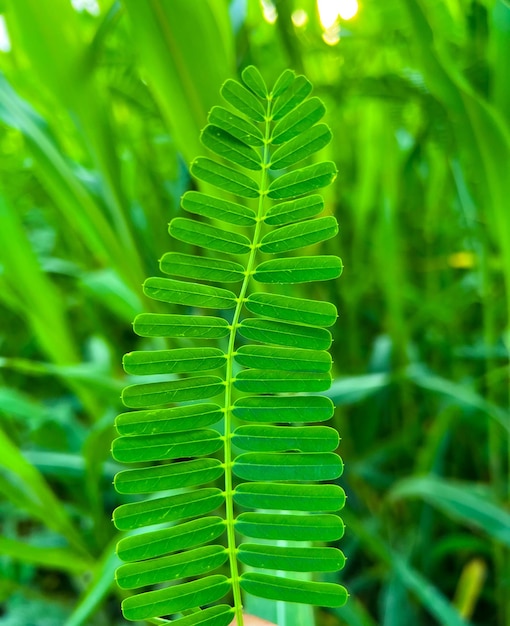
(189, 294)
(229, 147)
(243, 100)
(169, 509)
(224, 177)
(294, 210)
(278, 496)
(290, 409)
(294, 236)
(299, 269)
(170, 476)
(173, 361)
(286, 359)
(209, 237)
(301, 181)
(291, 559)
(187, 443)
(289, 309)
(288, 466)
(267, 526)
(193, 475)
(154, 394)
(172, 420)
(201, 268)
(175, 599)
(179, 537)
(288, 590)
(183, 565)
(283, 334)
(300, 120)
(163, 325)
(282, 438)
(236, 126)
(223, 210)
(301, 147)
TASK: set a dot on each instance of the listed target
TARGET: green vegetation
(100, 114)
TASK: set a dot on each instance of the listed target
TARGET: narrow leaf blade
(174, 326)
(301, 181)
(224, 177)
(289, 409)
(216, 208)
(201, 268)
(288, 590)
(208, 237)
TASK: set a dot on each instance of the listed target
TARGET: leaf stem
(229, 379)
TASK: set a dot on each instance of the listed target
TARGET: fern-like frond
(235, 427)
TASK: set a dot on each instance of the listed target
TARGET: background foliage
(101, 105)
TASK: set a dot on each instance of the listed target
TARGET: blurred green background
(101, 104)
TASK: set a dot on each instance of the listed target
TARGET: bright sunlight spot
(91, 6)
(347, 9)
(269, 11)
(331, 36)
(299, 18)
(5, 42)
(331, 10)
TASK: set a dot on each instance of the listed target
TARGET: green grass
(99, 116)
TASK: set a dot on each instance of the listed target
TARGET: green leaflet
(286, 359)
(201, 268)
(283, 82)
(162, 325)
(183, 565)
(171, 420)
(294, 236)
(283, 334)
(176, 599)
(229, 147)
(282, 438)
(288, 466)
(153, 394)
(224, 178)
(278, 496)
(291, 97)
(300, 120)
(217, 208)
(189, 294)
(207, 236)
(236, 126)
(173, 361)
(294, 210)
(170, 476)
(284, 409)
(298, 182)
(187, 443)
(299, 269)
(169, 509)
(274, 381)
(253, 79)
(317, 527)
(214, 616)
(272, 362)
(288, 590)
(289, 309)
(243, 100)
(180, 537)
(291, 559)
(301, 147)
